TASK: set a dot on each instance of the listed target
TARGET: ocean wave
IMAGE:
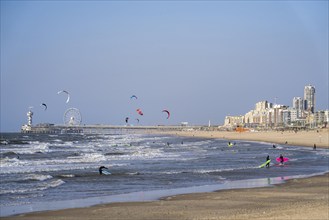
(38, 177)
(67, 175)
(34, 147)
(53, 184)
(203, 171)
(88, 158)
(10, 162)
(13, 142)
(41, 187)
(4, 142)
(9, 154)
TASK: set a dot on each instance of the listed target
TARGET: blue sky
(201, 60)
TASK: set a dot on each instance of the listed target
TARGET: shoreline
(299, 198)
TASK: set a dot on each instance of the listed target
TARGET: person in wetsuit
(267, 159)
(101, 170)
(281, 159)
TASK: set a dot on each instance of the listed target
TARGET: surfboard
(264, 164)
(285, 159)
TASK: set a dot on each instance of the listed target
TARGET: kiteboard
(264, 164)
(285, 159)
(106, 172)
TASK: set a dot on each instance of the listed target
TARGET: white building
(299, 104)
(309, 97)
(321, 118)
(294, 114)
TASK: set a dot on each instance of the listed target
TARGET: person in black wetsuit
(281, 159)
(101, 170)
(267, 159)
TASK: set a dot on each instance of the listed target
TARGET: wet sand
(297, 199)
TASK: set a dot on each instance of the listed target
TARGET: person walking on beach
(314, 147)
(267, 159)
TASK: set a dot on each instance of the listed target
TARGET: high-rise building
(309, 97)
(298, 105)
(262, 105)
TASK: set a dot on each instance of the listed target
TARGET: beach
(306, 198)
(318, 137)
(297, 199)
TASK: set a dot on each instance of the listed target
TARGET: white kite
(68, 95)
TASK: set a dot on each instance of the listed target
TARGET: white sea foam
(11, 162)
(53, 184)
(40, 187)
(39, 177)
(32, 148)
(67, 175)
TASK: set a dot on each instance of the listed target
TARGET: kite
(43, 104)
(133, 96)
(168, 113)
(68, 95)
(139, 111)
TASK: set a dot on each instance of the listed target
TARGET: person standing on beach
(267, 159)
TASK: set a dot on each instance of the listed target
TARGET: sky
(201, 60)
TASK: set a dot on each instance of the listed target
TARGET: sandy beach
(306, 198)
(297, 199)
(302, 138)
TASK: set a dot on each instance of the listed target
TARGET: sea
(55, 171)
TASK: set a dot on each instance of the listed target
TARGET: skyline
(302, 114)
(200, 60)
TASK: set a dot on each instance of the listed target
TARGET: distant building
(321, 118)
(309, 97)
(294, 114)
(299, 105)
(266, 115)
(233, 121)
(184, 124)
(263, 105)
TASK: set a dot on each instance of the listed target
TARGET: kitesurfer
(267, 159)
(101, 169)
(281, 159)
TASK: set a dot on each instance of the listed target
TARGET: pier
(92, 129)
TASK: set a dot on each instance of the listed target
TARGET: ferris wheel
(72, 117)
